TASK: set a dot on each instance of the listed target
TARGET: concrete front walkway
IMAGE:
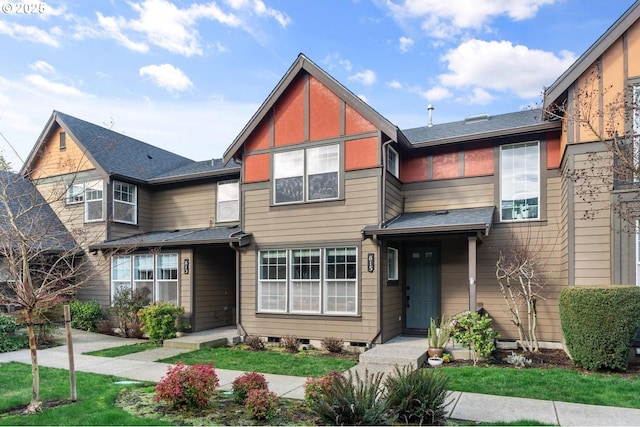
(464, 406)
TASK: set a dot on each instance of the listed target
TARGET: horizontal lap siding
(214, 280)
(449, 197)
(454, 278)
(326, 224)
(188, 207)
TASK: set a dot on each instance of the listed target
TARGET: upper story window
(89, 193)
(63, 141)
(393, 162)
(519, 181)
(125, 202)
(228, 201)
(306, 175)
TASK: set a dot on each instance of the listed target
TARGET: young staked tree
(601, 114)
(520, 271)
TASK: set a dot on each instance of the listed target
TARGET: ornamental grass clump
(187, 387)
(417, 396)
(242, 385)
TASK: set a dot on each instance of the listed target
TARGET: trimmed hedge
(599, 324)
(85, 315)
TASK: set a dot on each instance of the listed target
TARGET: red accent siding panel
(445, 164)
(478, 161)
(553, 151)
(413, 169)
(256, 168)
(355, 123)
(324, 111)
(289, 115)
(259, 138)
(361, 153)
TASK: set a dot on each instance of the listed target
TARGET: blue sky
(188, 75)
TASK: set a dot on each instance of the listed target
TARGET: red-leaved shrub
(314, 387)
(242, 385)
(262, 404)
(187, 387)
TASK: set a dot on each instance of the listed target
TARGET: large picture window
(157, 273)
(306, 175)
(125, 202)
(312, 281)
(520, 181)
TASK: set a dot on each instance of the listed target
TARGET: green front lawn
(123, 350)
(270, 361)
(566, 385)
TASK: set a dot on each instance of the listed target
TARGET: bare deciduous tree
(520, 271)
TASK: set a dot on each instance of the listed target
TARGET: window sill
(298, 205)
(349, 317)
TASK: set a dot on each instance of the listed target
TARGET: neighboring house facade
(324, 219)
(155, 220)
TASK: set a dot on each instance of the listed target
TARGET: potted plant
(438, 336)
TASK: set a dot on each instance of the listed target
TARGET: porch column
(472, 273)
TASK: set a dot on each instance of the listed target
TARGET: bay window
(308, 281)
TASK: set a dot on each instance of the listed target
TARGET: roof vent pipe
(430, 107)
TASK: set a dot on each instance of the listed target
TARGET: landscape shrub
(85, 315)
(242, 385)
(314, 387)
(352, 401)
(417, 396)
(332, 344)
(126, 305)
(599, 324)
(159, 320)
(290, 343)
(254, 343)
(474, 331)
(10, 338)
(262, 404)
(187, 387)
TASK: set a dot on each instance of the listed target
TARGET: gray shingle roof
(477, 127)
(44, 230)
(441, 221)
(206, 167)
(184, 237)
(119, 154)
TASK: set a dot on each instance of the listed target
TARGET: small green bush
(417, 396)
(242, 385)
(352, 401)
(159, 320)
(474, 331)
(599, 324)
(262, 404)
(85, 315)
(315, 387)
(126, 305)
(10, 339)
(187, 387)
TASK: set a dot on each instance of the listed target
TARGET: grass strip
(300, 364)
(566, 385)
(123, 350)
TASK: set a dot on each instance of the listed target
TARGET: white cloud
(366, 77)
(167, 77)
(43, 67)
(53, 87)
(406, 43)
(437, 93)
(259, 8)
(441, 19)
(113, 28)
(503, 66)
(394, 84)
(30, 33)
(479, 96)
(334, 60)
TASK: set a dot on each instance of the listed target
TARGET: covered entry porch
(429, 266)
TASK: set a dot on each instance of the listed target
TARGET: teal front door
(422, 286)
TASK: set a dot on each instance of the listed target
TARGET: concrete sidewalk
(464, 406)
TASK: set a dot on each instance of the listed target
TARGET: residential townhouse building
(338, 223)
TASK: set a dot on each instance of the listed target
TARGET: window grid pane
(228, 201)
(520, 181)
(124, 202)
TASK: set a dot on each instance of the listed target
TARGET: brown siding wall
(184, 207)
(52, 162)
(451, 194)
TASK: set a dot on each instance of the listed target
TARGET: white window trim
(396, 166)
(305, 176)
(156, 281)
(538, 170)
(324, 282)
(134, 204)
(74, 197)
(236, 217)
(97, 184)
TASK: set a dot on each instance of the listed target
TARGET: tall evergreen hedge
(599, 324)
